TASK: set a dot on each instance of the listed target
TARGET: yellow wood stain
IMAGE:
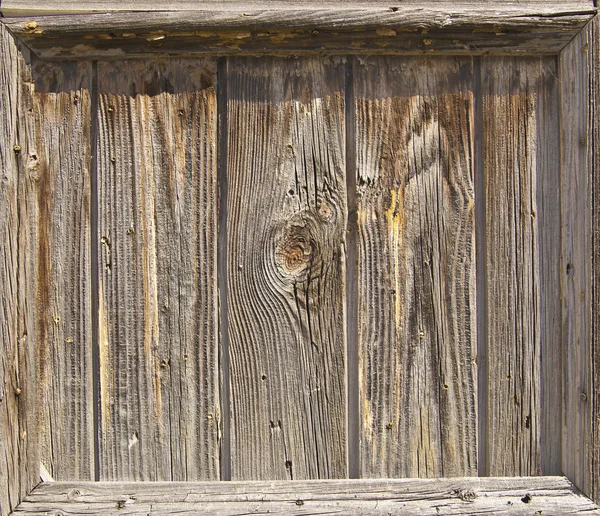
(395, 223)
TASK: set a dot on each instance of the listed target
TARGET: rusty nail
(17, 148)
(18, 391)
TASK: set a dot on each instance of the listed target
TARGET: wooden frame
(99, 29)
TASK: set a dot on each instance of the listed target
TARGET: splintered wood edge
(517, 29)
(524, 495)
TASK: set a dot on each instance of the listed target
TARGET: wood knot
(295, 251)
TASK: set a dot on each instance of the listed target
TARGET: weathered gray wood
(416, 273)
(594, 132)
(513, 97)
(158, 310)
(455, 29)
(286, 226)
(60, 158)
(19, 445)
(576, 63)
(13, 7)
(519, 496)
(547, 154)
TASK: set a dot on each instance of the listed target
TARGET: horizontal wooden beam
(529, 28)
(23, 7)
(532, 495)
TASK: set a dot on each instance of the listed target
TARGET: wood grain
(60, 157)
(449, 28)
(416, 273)
(594, 132)
(519, 496)
(514, 165)
(286, 226)
(547, 155)
(12, 7)
(19, 445)
(575, 67)
(158, 312)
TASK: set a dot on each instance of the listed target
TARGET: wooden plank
(521, 496)
(158, 308)
(19, 446)
(416, 272)
(454, 29)
(514, 93)
(575, 66)
(16, 7)
(549, 252)
(594, 132)
(60, 158)
(286, 228)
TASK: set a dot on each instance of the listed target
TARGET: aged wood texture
(19, 445)
(158, 307)
(514, 107)
(594, 139)
(547, 155)
(286, 226)
(12, 7)
(575, 69)
(451, 28)
(416, 273)
(60, 157)
(516, 496)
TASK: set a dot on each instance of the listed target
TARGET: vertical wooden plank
(158, 308)
(10, 492)
(19, 445)
(286, 230)
(60, 158)
(594, 144)
(511, 91)
(549, 252)
(416, 305)
(575, 65)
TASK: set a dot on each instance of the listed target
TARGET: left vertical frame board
(59, 156)
(158, 297)
(19, 445)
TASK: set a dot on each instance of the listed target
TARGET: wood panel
(12, 7)
(575, 66)
(416, 272)
(518, 496)
(360, 28)
(286, 222)
(158, 307)
(19, 445)
(594, 132)
(60, 157)
(514, 164)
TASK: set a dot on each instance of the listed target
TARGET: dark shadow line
(95, 271)
(351, 282)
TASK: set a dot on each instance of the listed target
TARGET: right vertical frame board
(416, 266)
(578, 69)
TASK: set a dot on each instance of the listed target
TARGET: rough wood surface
(60, 158)
(158, 308)
(594, 132)
(19, 445)
(575, 65)
(547, 154)
(456, 29)
(514, 164)
(12, 7)
(516, 496)
(286, 222)
(416, 273)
